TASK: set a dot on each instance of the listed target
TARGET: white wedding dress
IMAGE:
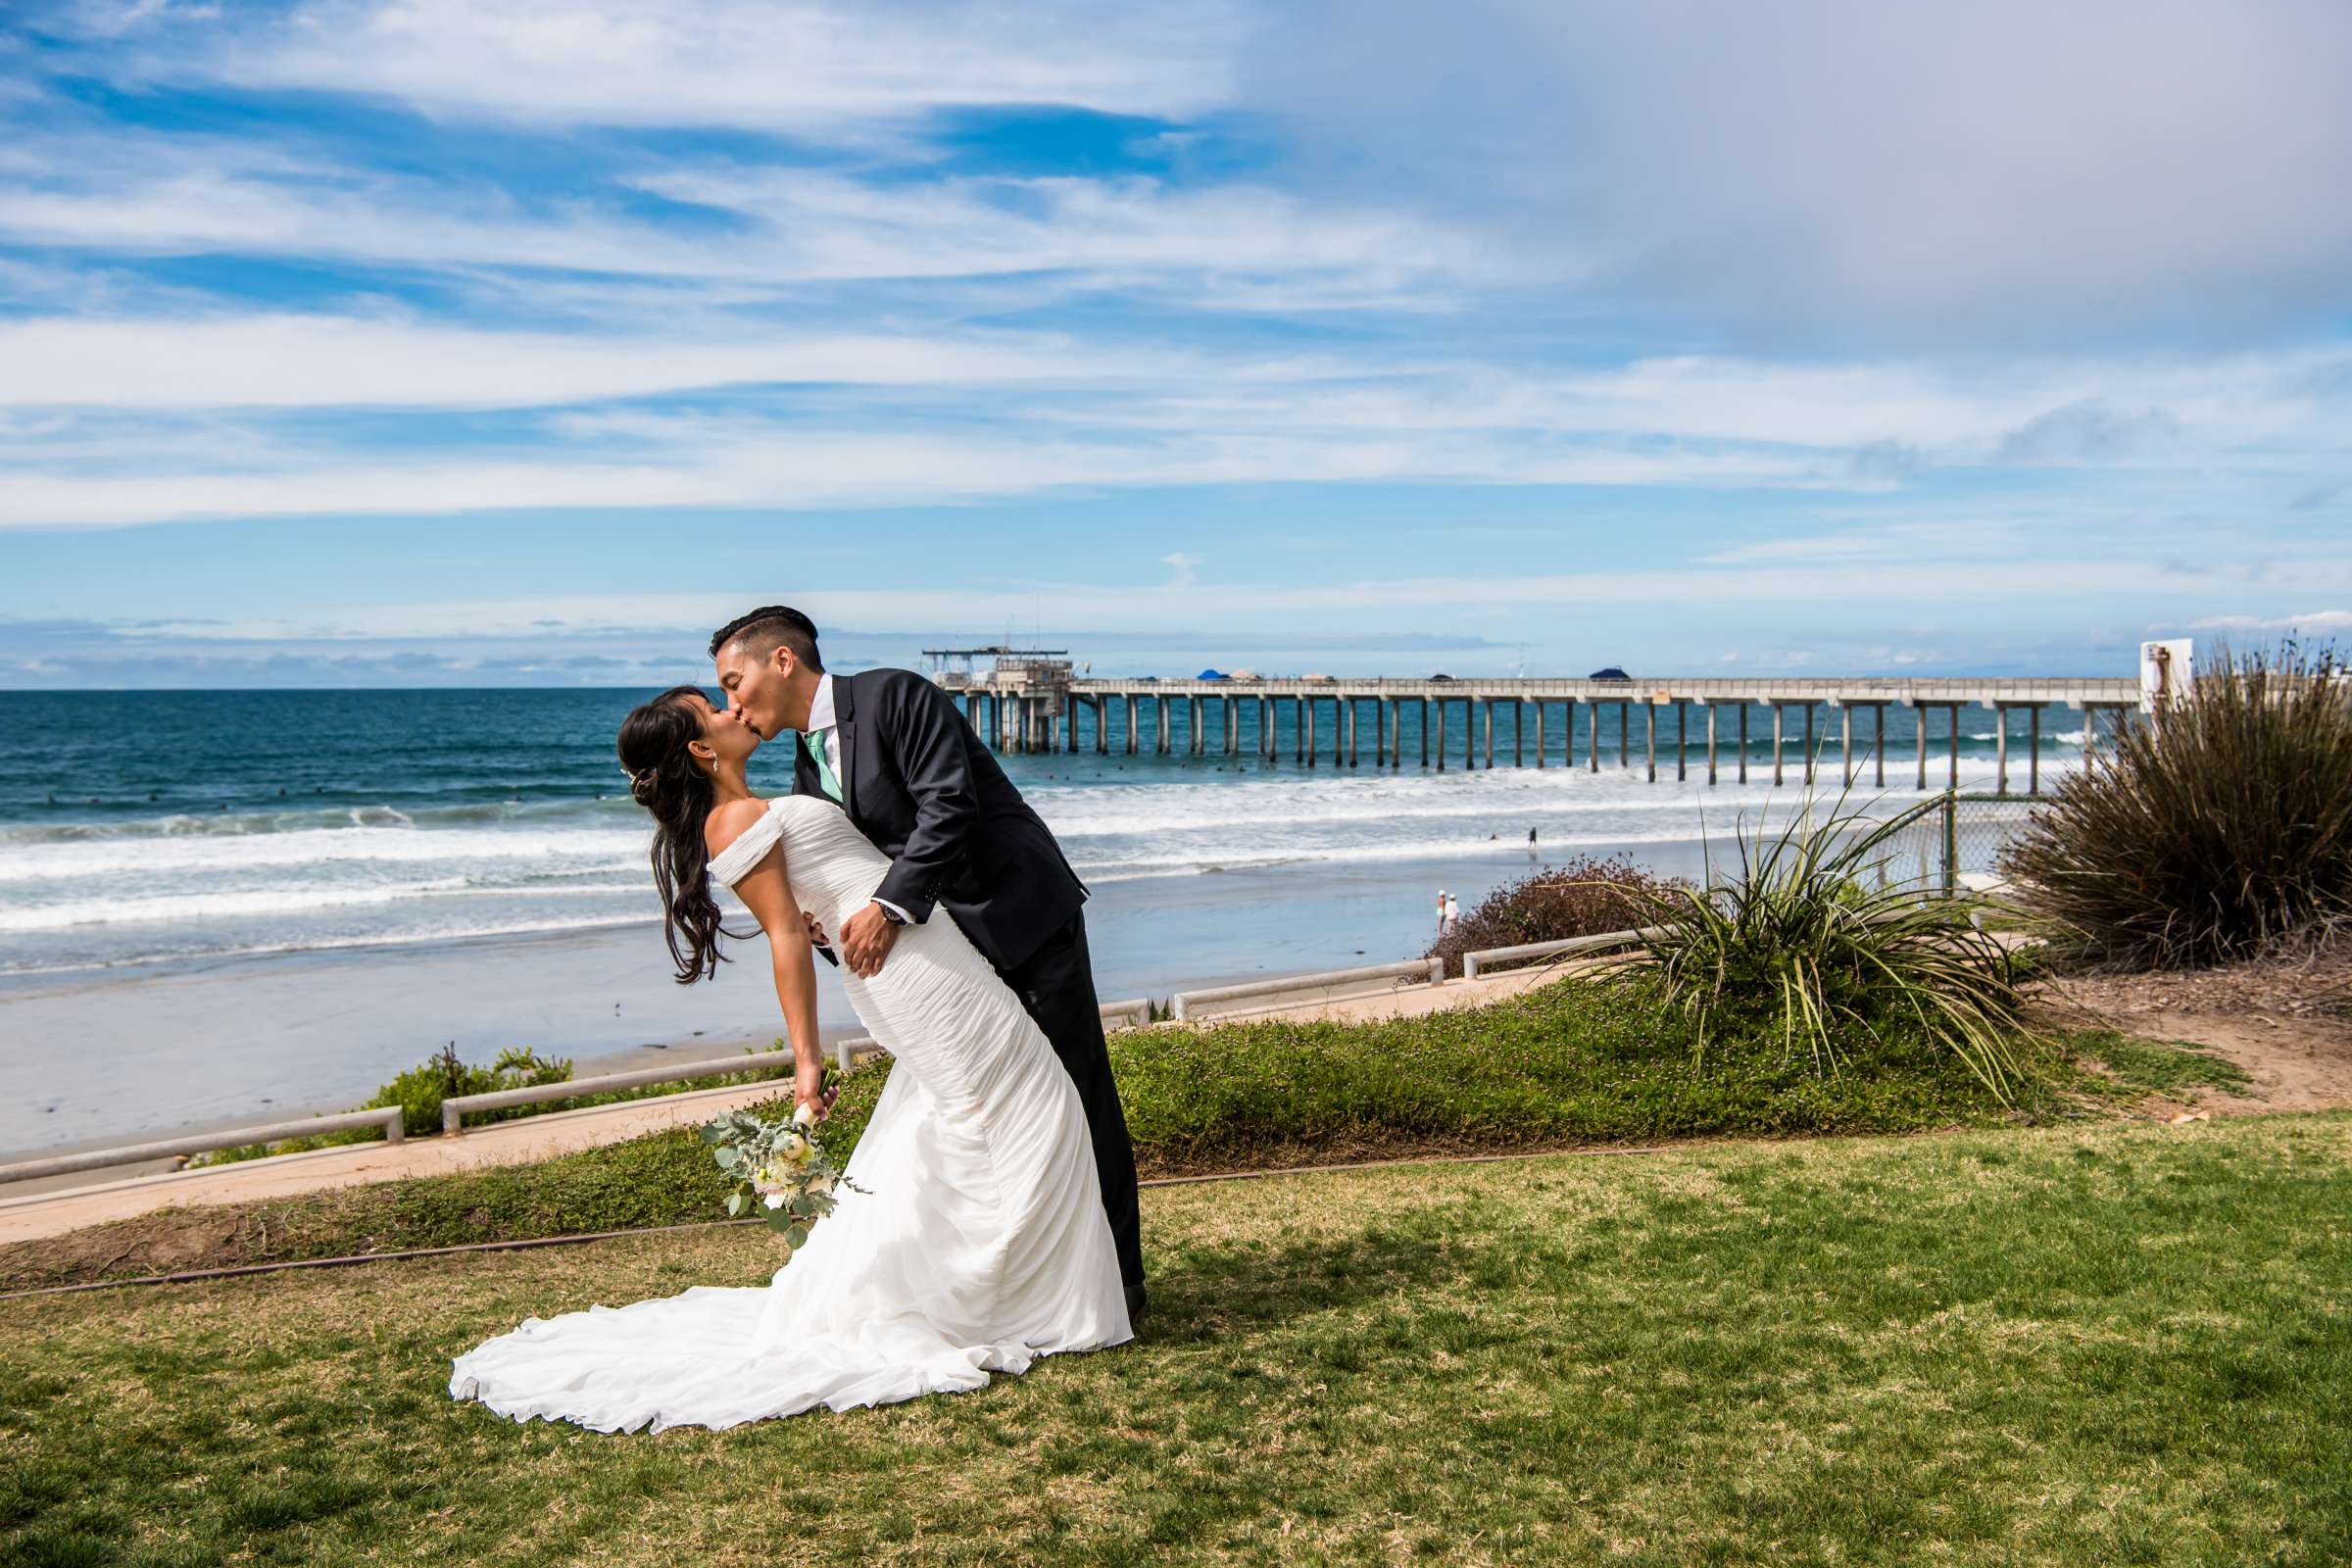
(979, 1244)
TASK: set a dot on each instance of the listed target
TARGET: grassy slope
(2111, 1343)
(1570, 1064)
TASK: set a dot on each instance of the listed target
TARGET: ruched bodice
(977, 1243)
(832, 869)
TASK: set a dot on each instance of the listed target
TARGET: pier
(1032, 700)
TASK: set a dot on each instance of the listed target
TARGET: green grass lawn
(1571, 1063)
(2109, 1343)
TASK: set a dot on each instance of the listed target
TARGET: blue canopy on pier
(1210, 674)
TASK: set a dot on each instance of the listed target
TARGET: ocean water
(149, 826)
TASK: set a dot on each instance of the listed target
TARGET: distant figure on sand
(1450, 914)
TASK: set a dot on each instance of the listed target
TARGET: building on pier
(1026, 692)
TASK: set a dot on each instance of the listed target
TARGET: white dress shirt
(820, 732)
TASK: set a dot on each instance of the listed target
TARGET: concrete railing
(1127, 1014)
(1432, 971)
(454, 1110)
(844, 1052)
(1116, 1015)
(1476, 964)
(387, 1117)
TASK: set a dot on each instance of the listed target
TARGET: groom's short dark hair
(767, 628)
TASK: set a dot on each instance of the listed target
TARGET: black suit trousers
(1056, 984)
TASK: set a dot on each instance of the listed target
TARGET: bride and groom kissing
(989, 1212)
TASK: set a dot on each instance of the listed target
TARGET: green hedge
(1568, 1065)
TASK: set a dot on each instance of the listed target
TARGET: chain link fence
(1954, 847)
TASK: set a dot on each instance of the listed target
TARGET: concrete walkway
(509, 1142)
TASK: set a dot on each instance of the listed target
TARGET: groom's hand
(867, 939)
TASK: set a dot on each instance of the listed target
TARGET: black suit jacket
(919, 784)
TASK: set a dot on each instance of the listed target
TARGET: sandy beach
(149, 1051)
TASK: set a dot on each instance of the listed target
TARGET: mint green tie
(824, 769)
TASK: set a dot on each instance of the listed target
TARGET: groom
(890, 748)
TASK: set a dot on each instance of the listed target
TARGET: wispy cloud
(786, 65)
(1428, 319)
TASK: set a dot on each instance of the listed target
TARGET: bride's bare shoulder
(731, 821)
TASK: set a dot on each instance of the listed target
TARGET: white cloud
(1245, 604)
(334, 362)
(1237, 245)
(784, 65)
(2008, 170)
(778, 467)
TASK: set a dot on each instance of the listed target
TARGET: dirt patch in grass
(2285, 1019)
(171, 1241)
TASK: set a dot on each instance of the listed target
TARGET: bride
(978, 1242)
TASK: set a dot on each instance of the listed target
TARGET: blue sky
(516, 341)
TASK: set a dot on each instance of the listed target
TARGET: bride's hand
(819, 1101)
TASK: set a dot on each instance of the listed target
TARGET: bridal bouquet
(780, 1167)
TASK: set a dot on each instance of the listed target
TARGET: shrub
(420, 1091)
(2226, 829)
(1582, 898)
(1797, 944)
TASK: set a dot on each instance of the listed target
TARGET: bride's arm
(767, 894)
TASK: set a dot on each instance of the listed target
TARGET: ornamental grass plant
(1810, 941)
(2220, 831)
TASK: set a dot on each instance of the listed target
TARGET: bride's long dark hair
(664, 780)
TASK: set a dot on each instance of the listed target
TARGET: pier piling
(1035, 703)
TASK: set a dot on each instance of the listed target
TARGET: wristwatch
(889, 913)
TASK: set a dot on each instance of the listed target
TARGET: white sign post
(2164, 673)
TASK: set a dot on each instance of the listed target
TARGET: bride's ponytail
(664, 780)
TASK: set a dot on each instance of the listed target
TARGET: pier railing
(1687, 721)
